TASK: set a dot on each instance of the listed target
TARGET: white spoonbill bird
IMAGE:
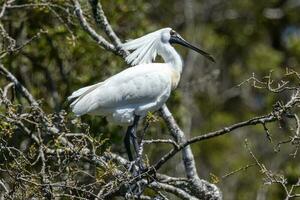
(129, 95)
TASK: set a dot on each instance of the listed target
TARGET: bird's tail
(78, 94)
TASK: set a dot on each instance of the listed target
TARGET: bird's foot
(137, 167)
(132, 167)
(137, 188)
(141, 165)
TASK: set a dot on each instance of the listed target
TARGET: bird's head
(169, 35)
(145, 48)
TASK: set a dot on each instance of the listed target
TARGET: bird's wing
(134, 86)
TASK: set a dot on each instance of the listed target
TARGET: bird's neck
(170, 55)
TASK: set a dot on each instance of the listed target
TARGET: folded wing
(131, 88)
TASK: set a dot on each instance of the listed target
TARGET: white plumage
(144, 48)
(135, 90)
(139, 89)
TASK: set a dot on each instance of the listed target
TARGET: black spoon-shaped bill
(177, 39)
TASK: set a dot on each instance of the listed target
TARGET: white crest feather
(143, 49)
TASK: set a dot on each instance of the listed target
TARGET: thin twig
(18, 85)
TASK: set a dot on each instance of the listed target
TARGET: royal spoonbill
(128, 96)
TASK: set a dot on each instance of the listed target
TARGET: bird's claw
(132, 166)
(136, 167)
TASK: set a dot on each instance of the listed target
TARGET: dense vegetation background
(247, 38)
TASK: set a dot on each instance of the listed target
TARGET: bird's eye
(172, 32)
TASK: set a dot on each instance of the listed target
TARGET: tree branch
(274, 116)
(173, 190)
(18, 85)
(98, 38)
(101, 19)
(199, 186)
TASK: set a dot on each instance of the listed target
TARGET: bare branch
(98, 38)
(101, 19)
(18, 85)
(3, 186)
(174, 190)
(200, 186)
(274, 116)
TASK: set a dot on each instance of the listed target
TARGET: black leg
(133, 134)
(127, 143)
